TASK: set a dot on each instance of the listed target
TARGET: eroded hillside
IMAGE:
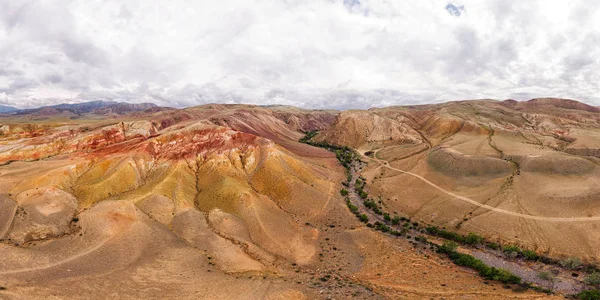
(217, 201)
(525, 173)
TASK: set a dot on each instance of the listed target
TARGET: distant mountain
(6, 109)
(93, 107)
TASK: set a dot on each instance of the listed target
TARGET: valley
(177, 202)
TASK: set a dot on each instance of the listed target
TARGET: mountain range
(78, 109)
(7, 109)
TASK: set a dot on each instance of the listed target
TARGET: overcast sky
(308, 53)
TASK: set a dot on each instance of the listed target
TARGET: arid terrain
(520, 172)
(113, 200)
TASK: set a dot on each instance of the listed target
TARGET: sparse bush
(353, 208)
(588, 295)
(369, 204)
(500, 275)
(473, 239)
(396, 220)
(493, 246)
(387, 217)
(530, 255)
(344, 192)
(363, 218)
(466, 260)
(470, 239)
(511, 250)
(309, 135)
(545, 275)
(592, 279)
(382, 227)
(396, 233)
(571, 263)
(433, 230)
(448, 247)
(421, 239)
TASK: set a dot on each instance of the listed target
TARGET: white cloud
(319, 53)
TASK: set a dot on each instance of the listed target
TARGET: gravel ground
(530, 273)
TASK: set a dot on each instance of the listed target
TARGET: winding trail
(476, 203)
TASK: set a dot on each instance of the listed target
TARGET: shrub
(592, 279)
(387, 217)
(570, 263)
(591, 269)
(512, 250)
(545, 275)
(448, 247)
(421, 239)
(382, 227)
(500, 275)
(396, 220)
(377, 210)
(588, 295)
(363, 218)
(369, 204)
(353, 208)
(397, 233)
(309, 135)
(493, 246)
(344, 192)
(433, 230)
(473, 239)
(530, 255)
(470, 239)
(363, 194)
(466, 260)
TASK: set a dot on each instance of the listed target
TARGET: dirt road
(385, 164)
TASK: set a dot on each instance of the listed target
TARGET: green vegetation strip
(469, 261)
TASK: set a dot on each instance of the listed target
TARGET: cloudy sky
(308, 53)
